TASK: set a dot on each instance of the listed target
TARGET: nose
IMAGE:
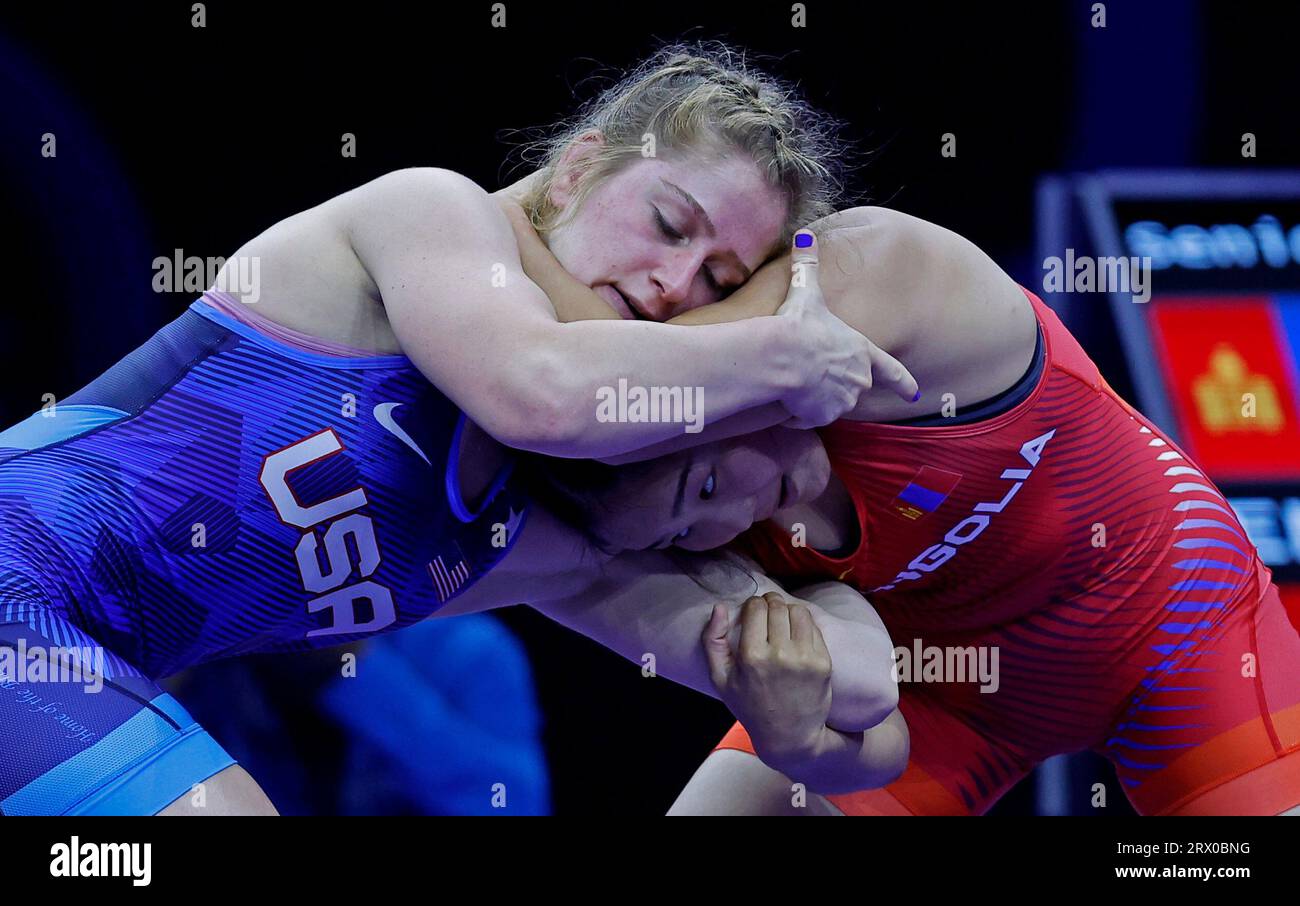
(739, 518)
(673, 281)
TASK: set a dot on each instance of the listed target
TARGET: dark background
(173, 137)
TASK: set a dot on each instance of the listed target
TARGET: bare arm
(572, 299)
(777, 681)
(848, 762)
(761, 296)
(924, 293)
(643, 604)
(447, 267)
(835, 759)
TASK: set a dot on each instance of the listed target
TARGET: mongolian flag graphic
(928, 489)
(1230, 365)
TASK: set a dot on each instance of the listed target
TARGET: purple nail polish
(803, 241)
(918, 395)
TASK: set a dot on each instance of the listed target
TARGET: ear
(572, 164)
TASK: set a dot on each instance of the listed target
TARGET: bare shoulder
(932, 298)
(875, 266)
(420, 182)
(893, 250)
(893, 276)
(425, 197)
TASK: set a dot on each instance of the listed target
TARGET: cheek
(816, 466)
(749, 468)
(610, 245)
(763, 475)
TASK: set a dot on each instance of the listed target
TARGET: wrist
(786, 751)
(783, 358)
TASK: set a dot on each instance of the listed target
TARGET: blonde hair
(700, 98)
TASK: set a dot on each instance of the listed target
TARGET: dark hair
(574, 490)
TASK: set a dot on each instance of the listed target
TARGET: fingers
(802, 627)
(803, 262)
(863, 380)
(804, 251)
(791, 626)
(847, 401)
(514, 212)
(753, 628)
(530, 244)
(769, 624)
(778, 619)
(885, 371)
(888, 371)
(716, 649)
(805, 633)
(814, 640)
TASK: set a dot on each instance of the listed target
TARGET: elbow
(882, 702)
(887, 748)
(897, 747)
(860, 710)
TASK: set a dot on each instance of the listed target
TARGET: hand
(840, 362)
(778, 681)
(520, 188)
(572, 299)
(520, 224)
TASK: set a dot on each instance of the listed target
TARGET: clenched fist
(777, 681)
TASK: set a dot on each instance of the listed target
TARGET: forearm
(575, 301)
(591, 374)
(761, 295)
(862, 687)
(468, 317)
(644, 605)
(862, 655)
(845, 762)
(758, 418)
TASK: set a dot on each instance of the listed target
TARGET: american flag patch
(447, 580)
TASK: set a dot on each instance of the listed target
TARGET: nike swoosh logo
(384, 415)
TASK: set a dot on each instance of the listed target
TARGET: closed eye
(677, 236)
(667, 229)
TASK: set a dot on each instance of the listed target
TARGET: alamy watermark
(947, 664)
(75, 859)
(29, 664)
(240, 276)
(636, 404)
(1088, 274)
